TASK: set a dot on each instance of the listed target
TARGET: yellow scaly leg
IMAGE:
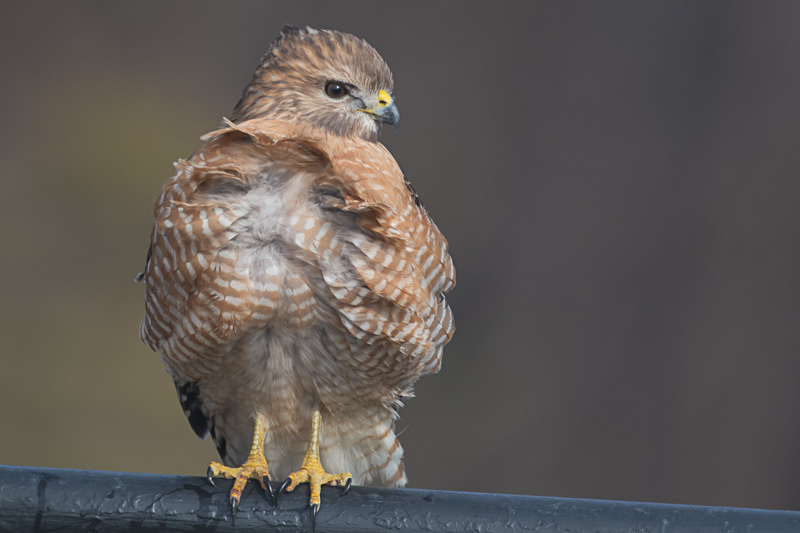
(255, 467)
(311, 470)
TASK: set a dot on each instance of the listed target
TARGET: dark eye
(336, 90)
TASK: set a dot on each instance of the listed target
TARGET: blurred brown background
(618, 181)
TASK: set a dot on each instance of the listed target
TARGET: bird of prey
(295, 284)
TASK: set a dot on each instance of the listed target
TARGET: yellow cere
(384, 99)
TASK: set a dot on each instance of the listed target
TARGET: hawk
(295, 284)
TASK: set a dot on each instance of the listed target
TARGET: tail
(367, 448)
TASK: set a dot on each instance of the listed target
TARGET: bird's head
(325, 78)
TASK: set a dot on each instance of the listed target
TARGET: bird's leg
(254, 467)
(311, 470)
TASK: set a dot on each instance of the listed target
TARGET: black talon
(314, 509)
(210, 475)
(347, 485)
(269, 490)
(285, 485)
(234, 508)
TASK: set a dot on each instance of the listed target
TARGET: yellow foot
(251, 469)
(311, 471)
(255, 467)
(313, 474)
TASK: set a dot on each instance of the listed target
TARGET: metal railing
(46, 499)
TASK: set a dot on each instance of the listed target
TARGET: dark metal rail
(46, 499)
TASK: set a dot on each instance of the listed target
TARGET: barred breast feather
(294, 269)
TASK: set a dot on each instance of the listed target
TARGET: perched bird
(295, 283)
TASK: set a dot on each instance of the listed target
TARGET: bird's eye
(336, 90)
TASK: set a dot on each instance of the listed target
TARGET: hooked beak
(386, 110)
